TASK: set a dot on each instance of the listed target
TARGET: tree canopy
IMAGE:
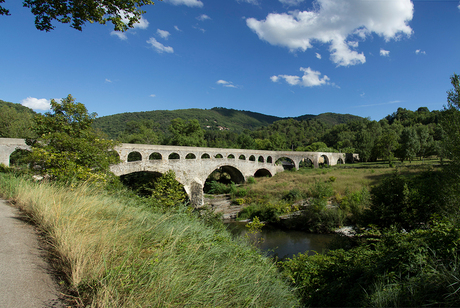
(122, 13)
(67, 147)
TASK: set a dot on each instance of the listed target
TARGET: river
(284, 243)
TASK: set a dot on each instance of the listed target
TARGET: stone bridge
(193, 165)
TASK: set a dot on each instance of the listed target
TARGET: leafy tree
(168, 191)
(409, 144)
(67, 147)
(246, 142)
(14, 123)
(142, 132)
(122, 13)
(187, 133)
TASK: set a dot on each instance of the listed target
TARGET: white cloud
(177, 28)
(384, 53)
(291, 2)
(190, 3)
(310, 78)
(160, 47)
(121, 35)
(142, 24)
(152, 95)
(108, 80)
(255, 2)
(420, 52)
(338, 23)
(458, 6)
(203, 17)
(36, 103)
(318, 56)
(227, 84)
(163, 33)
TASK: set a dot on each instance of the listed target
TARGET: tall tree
(187, 133)
(122, 13)
(67, 147)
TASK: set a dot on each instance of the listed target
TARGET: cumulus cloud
(163, 33)
(420, 52)
(121, 35)
(160, 48)
(203, 17)
(384, 53)
(339, 23)
(190, 3)
(318, 56)
(227, 84)
(310, 78)
(36, 103)
(291, 2)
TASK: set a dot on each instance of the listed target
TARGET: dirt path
(25, 279)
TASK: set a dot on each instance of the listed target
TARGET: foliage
(141, 132)
(407, 203)
(67, 147)
(402, 267)
(167, 191)
(123, 14)
(15, 121)
(186, 133)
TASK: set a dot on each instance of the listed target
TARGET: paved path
(24, 278)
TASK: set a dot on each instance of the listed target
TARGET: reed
(116, 252)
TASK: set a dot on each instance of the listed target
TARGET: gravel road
(25, 280)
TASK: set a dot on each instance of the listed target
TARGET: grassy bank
(328, 197)
(115, 252)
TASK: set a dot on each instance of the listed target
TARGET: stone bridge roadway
(193, 165)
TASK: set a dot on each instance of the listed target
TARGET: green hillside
(217, 118)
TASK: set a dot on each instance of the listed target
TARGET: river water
(283, 243)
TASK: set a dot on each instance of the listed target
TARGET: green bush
(395, 269)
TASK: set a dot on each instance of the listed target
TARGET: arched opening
(155, 156)
(144, 183)
(286, 162)
(219, 156)
(261, 159)
(231, 156)
(340, 161)
(220, 180)
(174, 156)
(242, 157)
(306, 163)
(252, 158)
(205, 156)
(190, 156)
(140, 182)
(19, 158)
(262, 173)
(269, 159)
(323, 161)
(134, 156)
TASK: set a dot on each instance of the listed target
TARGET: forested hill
(217, 118)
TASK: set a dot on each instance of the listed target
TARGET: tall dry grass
(117, 253)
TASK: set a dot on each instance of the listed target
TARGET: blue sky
(277, 57)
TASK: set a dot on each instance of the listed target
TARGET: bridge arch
(155, 156)
(262, 173)
(174, 156)
(134, 156)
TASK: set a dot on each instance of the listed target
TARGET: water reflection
(284, 243)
